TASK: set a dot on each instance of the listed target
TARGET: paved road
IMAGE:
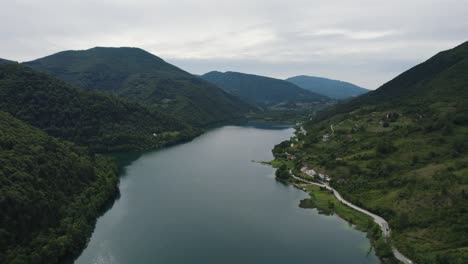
(379, 220)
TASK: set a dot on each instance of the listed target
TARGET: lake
(206, 202)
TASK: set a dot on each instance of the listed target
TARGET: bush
(385, 147)
(282, 172)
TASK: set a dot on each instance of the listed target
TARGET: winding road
(379, 220)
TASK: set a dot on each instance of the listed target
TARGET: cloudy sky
(365, 42)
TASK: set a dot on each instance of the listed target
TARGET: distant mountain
(331, 88)
(401, 151)
(261, 90)
(145, 78)
(103, 122)
(51, 193)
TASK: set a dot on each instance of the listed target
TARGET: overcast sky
(364, 42)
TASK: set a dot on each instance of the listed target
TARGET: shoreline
(381, 222)
(113, 197)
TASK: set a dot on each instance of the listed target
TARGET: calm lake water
(207, 202)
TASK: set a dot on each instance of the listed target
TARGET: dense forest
(402, 152)
(103, 122)
(144, 78)
(261, 90)
(51, 193)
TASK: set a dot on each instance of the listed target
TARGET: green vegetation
(282, 172)
(331, 88)
(265, 91)
(144, 78)
(51, 193)
(326, 203)
(401, 152)
(102, 122)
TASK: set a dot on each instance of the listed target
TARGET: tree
(282, 172)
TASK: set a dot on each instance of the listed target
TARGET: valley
(113, 155)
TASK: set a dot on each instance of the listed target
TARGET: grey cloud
(366, 41)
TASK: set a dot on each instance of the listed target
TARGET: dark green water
(206, 202)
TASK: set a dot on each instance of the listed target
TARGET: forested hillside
(145, 78)
(331, 88)
(402, 152)
(51, 193)
(261, 90)
(105, 123)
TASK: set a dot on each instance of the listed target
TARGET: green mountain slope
(261, 90)
(441, 78)
(402, 152)
(103, 122)
(142, 77)
(3, 61)
(331, 88)
(51, 193)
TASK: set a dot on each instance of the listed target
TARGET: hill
(328, 87)
(402, 152)
(51, 193)
(261, 90)
(442, 78)
(145, 78)
(103, 122)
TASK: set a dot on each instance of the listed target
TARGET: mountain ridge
(416, 82)
(261, 90)
(144, 78)
(332, 88)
